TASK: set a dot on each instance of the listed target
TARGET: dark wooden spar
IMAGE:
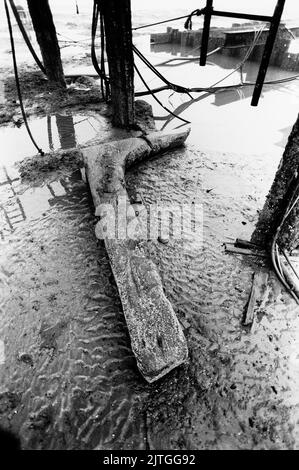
(45, 31)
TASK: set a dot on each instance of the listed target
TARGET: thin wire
(160, 22)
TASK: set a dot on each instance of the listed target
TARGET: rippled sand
(70, 380)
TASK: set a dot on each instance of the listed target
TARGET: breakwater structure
(234, 42)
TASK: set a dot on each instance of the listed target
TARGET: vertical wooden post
(118, 29)
(267, 52)
(45, 31)
(279, 197)
(206, 33)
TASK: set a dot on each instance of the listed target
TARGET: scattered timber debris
(244, 247)
(256, 297)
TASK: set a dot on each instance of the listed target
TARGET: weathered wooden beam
(231, 248)
(157, 338)
(45, 31)
(118, 29)
(206, 32)
(274, 25)
(259, 284)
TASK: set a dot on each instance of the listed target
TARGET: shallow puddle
(51, 133)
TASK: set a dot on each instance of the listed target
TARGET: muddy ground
(40, 98)
(69, 379)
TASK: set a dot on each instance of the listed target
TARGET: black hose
(17, 78)
(106, 81)
(25, 36)
(157, 99)
(173, 86)
(100, 71)
(292, 191)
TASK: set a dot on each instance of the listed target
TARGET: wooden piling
(45, 31)
(280, 197)
(118, 29)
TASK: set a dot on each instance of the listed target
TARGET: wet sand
(69, 379)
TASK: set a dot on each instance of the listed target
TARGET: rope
(188, 22)
(17, 78)
(68, 39)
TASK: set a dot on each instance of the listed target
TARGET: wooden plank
(247, 244)
(243, 16)
(231, 248)
(259, 283)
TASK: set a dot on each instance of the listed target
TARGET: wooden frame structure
(274, 25)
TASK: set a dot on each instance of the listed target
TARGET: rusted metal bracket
(274, 25)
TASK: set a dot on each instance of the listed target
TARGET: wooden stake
(45, 31)
(118, 28)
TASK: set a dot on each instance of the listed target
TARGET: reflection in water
(14, 207)
(223, 98)
(217, 117)
(50, 135)
(51, 132)
(11, 214)
(31, 204)
(66, 131)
